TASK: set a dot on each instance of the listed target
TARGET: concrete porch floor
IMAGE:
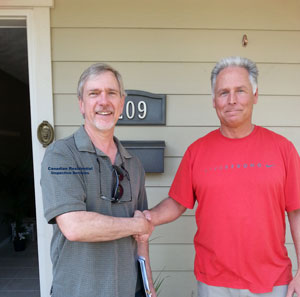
(19, 272)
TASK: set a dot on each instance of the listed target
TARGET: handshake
(145, 226)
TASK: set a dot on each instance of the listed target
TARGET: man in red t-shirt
(243, 177)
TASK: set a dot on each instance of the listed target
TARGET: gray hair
(97, 69)
(236, 61)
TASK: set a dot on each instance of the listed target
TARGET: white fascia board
(26, 3)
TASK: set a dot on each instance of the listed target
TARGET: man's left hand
(294, 286)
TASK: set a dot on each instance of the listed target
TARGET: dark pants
(140, 293)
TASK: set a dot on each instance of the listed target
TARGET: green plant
(157, 283)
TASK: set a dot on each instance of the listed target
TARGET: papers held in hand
(142, 262)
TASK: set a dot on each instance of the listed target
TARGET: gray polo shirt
(73, 179)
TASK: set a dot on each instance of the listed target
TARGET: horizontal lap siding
(196, 110)
(178, 78)
(176, 283)
(174, 146)
(230, 14)
(169, 47)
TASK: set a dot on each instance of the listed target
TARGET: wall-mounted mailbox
(150, 153)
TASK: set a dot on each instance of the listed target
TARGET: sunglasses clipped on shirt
(119, 174)
(118, 190)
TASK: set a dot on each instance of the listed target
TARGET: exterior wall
(170, 47)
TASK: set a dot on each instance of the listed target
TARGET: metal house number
(143, 108)
(131, 109)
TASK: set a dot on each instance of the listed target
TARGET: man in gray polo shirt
(93, 193)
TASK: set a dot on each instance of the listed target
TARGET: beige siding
(196, 110)
(175, 148)
(167, 256)
(163, 45)
(177, 283)
(178, 78)
(231, 14)
(170, 47)
(181, 231)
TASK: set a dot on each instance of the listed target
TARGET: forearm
(294, 220)
(87, 226)
(143, 250)
(166, 211)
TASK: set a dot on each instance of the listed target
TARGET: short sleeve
(62, 191)
(292, 184)
(182, 186)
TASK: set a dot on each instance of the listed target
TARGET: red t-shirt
(243, 188)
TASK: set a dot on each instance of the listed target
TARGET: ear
(81, 106)
(122, 104)
(214, 102)
(256, 96)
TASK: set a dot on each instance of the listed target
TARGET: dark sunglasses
(119, 173)
(118, 190)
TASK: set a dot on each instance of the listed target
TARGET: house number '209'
(130, 110)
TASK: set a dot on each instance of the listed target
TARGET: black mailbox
(150, 153)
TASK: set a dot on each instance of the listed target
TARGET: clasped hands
(145, 224)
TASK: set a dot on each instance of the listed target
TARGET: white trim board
(26, 3)
(41, 108)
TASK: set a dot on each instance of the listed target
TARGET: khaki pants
(212, 291)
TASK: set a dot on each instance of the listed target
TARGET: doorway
(18, 258)
(36, 15)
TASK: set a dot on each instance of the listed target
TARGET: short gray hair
(97, 69)
(236, 61)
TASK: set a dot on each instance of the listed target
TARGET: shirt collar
(84, 144)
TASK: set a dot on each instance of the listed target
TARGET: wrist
(138, 226)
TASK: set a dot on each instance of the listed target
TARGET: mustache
(104, 110)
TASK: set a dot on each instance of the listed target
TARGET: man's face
(102, 103)
(234, 97)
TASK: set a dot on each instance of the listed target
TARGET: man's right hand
(145, 224)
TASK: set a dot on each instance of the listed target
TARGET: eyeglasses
(117, 190)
